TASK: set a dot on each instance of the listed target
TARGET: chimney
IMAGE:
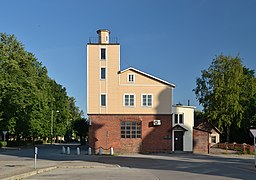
(103, 36)
(188, 102)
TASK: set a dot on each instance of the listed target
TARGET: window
(103, 73)
(131, 78)
(103, 53)
(146, 100)
(129, 99)
(130, 129)
(103, 99)
(181, 118)
(213, 139)
(178, 118)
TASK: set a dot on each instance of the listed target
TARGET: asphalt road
(136, 166)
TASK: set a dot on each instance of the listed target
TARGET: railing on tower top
(95, 40)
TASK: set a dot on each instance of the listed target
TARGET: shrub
(16, 143)
(39, 142)
(12, 143)
(3, 144)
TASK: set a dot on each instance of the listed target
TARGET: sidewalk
(18, 163)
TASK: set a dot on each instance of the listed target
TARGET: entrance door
(178, 140)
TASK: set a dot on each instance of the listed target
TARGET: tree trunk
(228, 133)
(82, 140)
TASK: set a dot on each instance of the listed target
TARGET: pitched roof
(205, 125)
(148, 75)
(179, 127)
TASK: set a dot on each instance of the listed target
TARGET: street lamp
(52, 124)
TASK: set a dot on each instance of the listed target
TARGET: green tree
(75, 114)
(81, 128)
(23, 80)
(28, 95)
(59, 103)
(248, 102)
(223, 94)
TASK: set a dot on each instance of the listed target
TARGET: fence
(95, 40)
(243, 148)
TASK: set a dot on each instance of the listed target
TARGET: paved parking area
(96, 174)
(133, 166)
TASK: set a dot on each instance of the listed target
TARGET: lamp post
(52, 125)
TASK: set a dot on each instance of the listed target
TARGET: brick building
(128, 109)
(205, 136)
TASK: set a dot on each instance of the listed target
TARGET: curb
(32, 173)
(78, 166)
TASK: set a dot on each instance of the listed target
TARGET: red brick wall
(200, 141)
(105, 132)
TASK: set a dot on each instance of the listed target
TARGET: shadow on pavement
(232, 167)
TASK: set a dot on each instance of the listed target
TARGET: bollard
(100, 151)
(78, 151)
(68, 150)
(63, 150)
(36, 152)
(89, 151)
(111, 151)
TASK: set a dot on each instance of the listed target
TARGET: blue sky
(170, 39)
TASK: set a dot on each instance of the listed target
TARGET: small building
(214, 137)
(206, 135)
(182, 130)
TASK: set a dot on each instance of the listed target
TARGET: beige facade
(111, 91)
(214, 138)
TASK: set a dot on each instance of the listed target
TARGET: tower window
(103, 53)
(103, 99)
(103, 73)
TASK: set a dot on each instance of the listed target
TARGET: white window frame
(146, 94)
(129, 94)
(178, 114)
(105, 73)
(128, 77)
(105, 100)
